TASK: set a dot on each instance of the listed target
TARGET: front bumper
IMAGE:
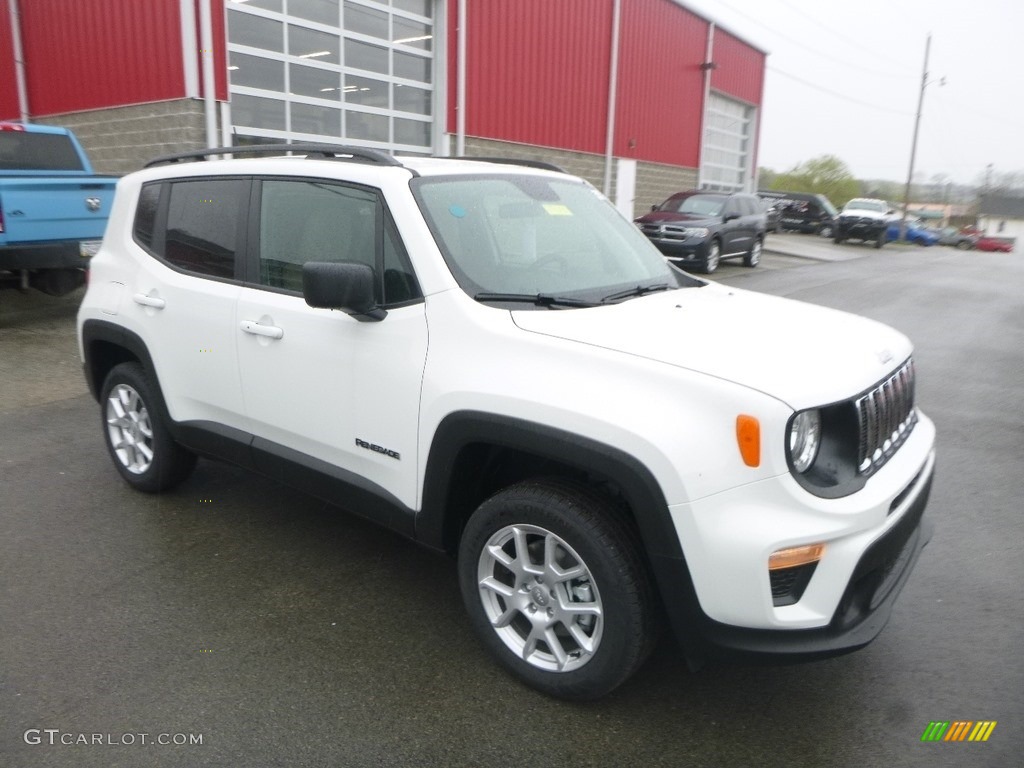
(872, 537)
(863, 229)
(865, 607)
(684, 251)
(675, 246)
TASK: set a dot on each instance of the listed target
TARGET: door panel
(183, 297)
(318, 381)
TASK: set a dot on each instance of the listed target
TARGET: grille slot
(788, 584)
(887, 416)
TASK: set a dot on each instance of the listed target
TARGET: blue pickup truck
(53, 209)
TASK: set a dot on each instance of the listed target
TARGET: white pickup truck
(864, 219)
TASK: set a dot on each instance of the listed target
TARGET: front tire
(753, 256)
(555, 587)
(143, 451)
(881, 238)
(714, 257)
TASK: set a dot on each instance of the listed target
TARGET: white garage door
(727, 150)
(320, 70)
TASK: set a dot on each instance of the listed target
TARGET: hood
(801, 354)
(864, 213)
(674, 217)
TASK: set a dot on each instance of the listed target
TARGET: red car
(993, 244)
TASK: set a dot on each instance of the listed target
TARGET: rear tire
(143, 451)
(881, 238)
(556, 588)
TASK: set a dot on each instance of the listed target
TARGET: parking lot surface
(282, 632)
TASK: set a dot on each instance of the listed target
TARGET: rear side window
(193, 224)
(203, 223)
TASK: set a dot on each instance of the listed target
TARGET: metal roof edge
(706, 17)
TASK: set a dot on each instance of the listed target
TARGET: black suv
(802, 211)
(701, 228)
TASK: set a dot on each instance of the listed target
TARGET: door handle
(270, 331)
(149, 301)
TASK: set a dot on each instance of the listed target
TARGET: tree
(765, 178)
(826, 175)
(1003, 183)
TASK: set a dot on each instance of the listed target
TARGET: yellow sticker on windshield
(557, 209)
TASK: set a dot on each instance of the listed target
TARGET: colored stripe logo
(958, 730)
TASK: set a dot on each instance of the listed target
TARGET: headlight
(695, 231)
(804, 439)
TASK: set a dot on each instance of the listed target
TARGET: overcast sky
(844, 76)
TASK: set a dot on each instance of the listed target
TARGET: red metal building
(643, 97)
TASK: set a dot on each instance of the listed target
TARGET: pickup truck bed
(53, 209)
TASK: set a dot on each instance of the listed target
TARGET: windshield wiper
(540, 299)
(640, 290)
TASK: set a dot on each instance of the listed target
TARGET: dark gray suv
(700, 228)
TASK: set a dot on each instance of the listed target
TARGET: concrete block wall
(654, 181)
(120, 140)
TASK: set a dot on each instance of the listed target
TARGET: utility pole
(913, 146)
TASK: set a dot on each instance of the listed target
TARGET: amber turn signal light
(748, 436)
(795, 556)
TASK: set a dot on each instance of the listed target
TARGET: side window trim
(159, 224)
(251, 256)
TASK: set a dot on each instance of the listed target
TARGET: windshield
(867, 205)
(536, 235)
(700, 205)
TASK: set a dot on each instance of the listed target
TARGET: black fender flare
(634, 480)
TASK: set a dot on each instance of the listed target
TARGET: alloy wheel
(129, 429)
(540, 598)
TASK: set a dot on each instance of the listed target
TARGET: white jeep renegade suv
(489, 359)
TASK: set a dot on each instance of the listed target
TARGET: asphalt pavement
(277, 631)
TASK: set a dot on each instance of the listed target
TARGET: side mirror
(344, 285)
(730, 216)
(654, 207)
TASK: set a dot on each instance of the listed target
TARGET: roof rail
(329, 152)
(517, 161)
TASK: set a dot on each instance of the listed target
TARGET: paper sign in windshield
(557, 209)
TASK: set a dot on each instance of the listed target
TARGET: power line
(838, 95)
(816, 52)
(849, 40)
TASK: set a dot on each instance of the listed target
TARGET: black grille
(788, 584)
(887, 417)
